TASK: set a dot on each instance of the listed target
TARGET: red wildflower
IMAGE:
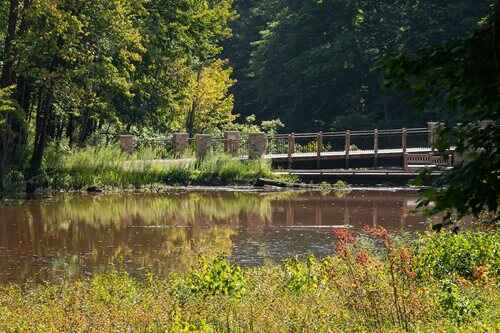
(378, 232)
(480, 272)
(362, 258)
(405, 255)
(344, 238)
(344, 235)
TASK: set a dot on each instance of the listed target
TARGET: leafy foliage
(461, 76)
(312, 63)
(466, 254)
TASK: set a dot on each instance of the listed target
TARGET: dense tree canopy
(76, 69)
(311, 63)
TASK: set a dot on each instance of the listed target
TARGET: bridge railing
(348, 142)
(291, 145)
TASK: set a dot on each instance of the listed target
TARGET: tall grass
(109, 167)
(356, 290)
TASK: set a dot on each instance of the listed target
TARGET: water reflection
(72, 235)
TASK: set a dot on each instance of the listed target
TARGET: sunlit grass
(109, 167)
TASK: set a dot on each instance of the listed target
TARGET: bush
(457, 305)
(469, 254)
(308, 275)
(218, 277)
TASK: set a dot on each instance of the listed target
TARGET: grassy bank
(109, 167)
(440, 283)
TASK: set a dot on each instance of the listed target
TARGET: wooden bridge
(370, 151)
(352, 149)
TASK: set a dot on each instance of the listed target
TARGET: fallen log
(261, 182)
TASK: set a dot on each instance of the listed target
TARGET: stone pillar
(257, 145)
(180, 142)
(203, 145)
(128, 143)
(232, 142)
(432, 127)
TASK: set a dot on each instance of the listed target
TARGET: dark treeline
(312, 63)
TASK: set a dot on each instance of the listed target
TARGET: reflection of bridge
(392, 210)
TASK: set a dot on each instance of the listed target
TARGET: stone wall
(180, 142)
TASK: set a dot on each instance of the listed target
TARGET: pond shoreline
(168, 189)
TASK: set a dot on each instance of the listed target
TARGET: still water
(75, 235)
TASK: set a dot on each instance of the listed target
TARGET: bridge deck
(352, 154)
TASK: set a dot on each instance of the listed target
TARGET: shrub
(457, 305)
(466, 254)
(218, 277)
(308, 275)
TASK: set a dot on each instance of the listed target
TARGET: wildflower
(479, 272)
(411, 274)
(405, 255)
(362, 258)
(344, 235)
(378, 232)
(344, 238)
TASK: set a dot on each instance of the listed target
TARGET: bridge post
(432, 127)
(319, 148)
(375, 147)
(180, 142)
(257, 145)
(128, 143)
(203, 145)
(232, 142)
(404, 140)
(347, 147)
(291, 148)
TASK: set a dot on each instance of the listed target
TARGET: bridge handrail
(352, 133)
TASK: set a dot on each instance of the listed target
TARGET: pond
(69, 236)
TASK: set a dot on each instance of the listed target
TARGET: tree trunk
(8, 61)
(190, 120)
(42, 117)
(496, 33)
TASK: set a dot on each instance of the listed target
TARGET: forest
(79, 73)
(110, 222)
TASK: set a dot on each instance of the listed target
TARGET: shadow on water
(75, 235)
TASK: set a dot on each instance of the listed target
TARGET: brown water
(74, 235)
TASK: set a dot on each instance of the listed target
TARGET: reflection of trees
(125, 210)
(71, 235)
(161, 251)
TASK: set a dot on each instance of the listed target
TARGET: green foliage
(458, 306)
(218, 277)
(290, 56)
(353, 291)
(306, 276)
(465, 255)
(461, 76)
(109, 167)
(114, 288)
(87, 72)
